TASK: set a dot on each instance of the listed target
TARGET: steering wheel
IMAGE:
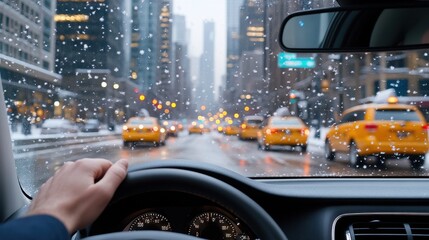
(197, 184)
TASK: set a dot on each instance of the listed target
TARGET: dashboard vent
(377, 230)
(419, 230)
(382, 227)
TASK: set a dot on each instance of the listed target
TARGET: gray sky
(196, 12)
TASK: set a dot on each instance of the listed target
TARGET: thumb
(114, 176)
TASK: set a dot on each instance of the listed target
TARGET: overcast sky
(196, 12)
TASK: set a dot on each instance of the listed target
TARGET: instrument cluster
(205, 222)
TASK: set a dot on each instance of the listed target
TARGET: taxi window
(254, 122)
(359, 115)
(286, 122)
(397, 115)
(141, 121)
(349, 117)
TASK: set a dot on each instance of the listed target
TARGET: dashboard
(175, 212)
(302, 208)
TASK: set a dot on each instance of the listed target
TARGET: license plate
(288, 132)
(403, 134)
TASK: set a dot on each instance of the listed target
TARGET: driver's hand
(79, 191)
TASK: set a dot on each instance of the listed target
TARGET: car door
(340, 138)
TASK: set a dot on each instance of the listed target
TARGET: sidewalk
(36, 133)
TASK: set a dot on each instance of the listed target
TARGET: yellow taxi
(249, 127)
(231, 129)
(198, 127)
(143, 129)
(382, 130)
(283, 131)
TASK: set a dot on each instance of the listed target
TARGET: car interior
(183, 197)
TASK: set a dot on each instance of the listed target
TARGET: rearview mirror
(356, 30)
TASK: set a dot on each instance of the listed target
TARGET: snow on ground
(36, 133)
(316, 143)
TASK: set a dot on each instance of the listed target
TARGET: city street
(35, 166)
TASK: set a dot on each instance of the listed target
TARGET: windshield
(397, 115)
(141, 122)
(286, 122)
(253, 122)
(206, 64)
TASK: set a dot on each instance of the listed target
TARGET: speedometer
(212, 225)
(149, 221)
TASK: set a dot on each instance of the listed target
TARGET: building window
(46, 65)
(47, 35)
(424, 87)
(400, 86)
(7, 23)
(362, 91)
(71, 18)
(376, 86)
(47, 4)
(396, 60)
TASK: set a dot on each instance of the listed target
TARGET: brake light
(272, 131)
(426, 127)
(305, 131)
(371, 127)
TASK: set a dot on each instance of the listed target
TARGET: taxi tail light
(155, 129)
(272, 131)
(371, 127)
(305, 131)
(426, 127)
(243, 126)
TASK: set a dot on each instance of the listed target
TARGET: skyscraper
(233, 51)
(88, 39)
(252, 29)
(182, 74)
(153, 47)
(93, 55)
(251, 83)
(205, 91)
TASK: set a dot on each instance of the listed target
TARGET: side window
(359, 115)
(349, 117)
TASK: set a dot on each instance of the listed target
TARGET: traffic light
(142, 97)
(292, 98)
(324, 85)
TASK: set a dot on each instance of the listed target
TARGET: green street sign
(290, 60)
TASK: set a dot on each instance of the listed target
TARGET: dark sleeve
(34, 227)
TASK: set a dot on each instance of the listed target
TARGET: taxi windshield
(201, 80)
